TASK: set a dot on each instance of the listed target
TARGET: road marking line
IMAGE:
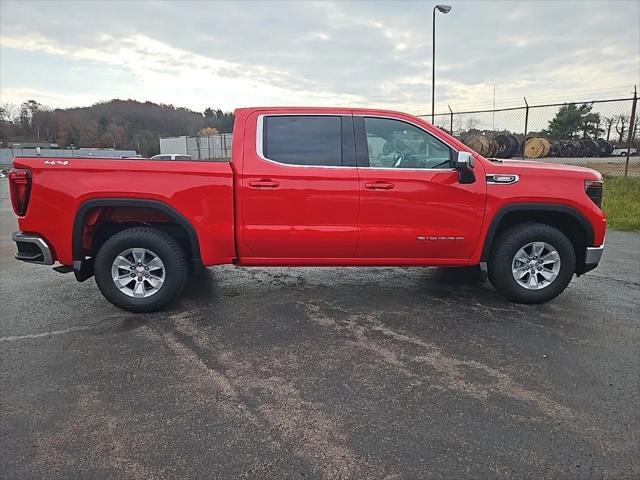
(12, 338)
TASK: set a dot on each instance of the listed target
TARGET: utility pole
(526, 125)
(631, 130)
(444, 9)
(493, 114)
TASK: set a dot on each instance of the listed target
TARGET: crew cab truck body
(310, 186)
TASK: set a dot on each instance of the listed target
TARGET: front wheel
(141, 269)
(532, 263)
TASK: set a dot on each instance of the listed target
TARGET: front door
(411, 202)
(299, 188)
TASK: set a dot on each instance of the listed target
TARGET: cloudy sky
(378, 54)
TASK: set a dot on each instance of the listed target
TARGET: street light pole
(444, 9)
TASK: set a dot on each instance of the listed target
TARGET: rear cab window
(308, 140)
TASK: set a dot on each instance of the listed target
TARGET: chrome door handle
(379, 186)
(264, 184)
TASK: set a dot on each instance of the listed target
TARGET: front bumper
(32, 249)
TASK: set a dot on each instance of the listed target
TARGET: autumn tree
(609, 122)
(8, 128)
(7, 112)
(472, 122)
(621, 127)
(208, 131)
(634, 129)
(221, 121)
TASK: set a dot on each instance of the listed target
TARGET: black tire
(506, 247)
(161, 244)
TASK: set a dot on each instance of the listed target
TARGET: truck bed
(201, 192)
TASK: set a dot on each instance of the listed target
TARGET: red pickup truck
(310, 186)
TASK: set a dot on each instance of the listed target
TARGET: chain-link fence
(210, 147)
(599, 134)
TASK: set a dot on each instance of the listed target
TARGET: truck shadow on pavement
(239, 291)
(213, 296)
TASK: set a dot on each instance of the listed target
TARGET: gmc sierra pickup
(310, 186)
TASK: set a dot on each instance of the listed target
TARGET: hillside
(126, 124)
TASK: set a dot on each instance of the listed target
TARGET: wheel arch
(85, 208)
(565, 218)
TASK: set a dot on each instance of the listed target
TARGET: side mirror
(464, 164)
(464, 161)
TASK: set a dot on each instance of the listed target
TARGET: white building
(208, 147)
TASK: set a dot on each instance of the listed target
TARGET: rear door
(299, 188)
(412, 205)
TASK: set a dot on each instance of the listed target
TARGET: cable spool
(493, 148)
(514, 146)
(564, 148)
(537, 147)
(508, 146)
(588, 148)
(605, 148)
(521, 143)
(534, 148)
(504, 146)
(478, 143)
(576, 148)
(555, 149)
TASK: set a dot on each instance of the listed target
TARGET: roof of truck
(325, 109)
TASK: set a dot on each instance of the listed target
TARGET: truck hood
(516, 166)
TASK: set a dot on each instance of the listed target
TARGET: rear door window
(312, 140)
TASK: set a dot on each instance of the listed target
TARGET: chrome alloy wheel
(138, 272)
(536, 265)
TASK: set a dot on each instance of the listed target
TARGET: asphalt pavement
(320, 373)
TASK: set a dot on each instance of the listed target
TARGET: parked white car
(172, 156)
(622, 152)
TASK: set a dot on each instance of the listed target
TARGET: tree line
(133, 125)
(573, 121)
(118, 124)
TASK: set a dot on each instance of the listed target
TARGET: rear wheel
(141, 269)
(532, 263)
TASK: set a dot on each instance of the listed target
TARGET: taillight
(594, 188)
(19, 187)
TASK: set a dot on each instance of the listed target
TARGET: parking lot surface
(320, 373)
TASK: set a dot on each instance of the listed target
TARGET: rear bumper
(592, 256)
(32, 249)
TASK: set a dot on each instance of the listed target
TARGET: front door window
(397, 144)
